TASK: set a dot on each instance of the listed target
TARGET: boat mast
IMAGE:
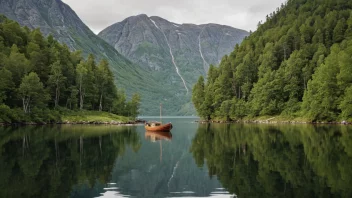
(160, 112)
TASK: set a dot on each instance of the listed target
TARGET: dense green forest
(41, 79)
(297, 64)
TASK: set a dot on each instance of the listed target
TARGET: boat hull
(164, 127)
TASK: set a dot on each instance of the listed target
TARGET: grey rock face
(147, 42)
(51, 16)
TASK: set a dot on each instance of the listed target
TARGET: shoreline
(66, 122)
(271, 122)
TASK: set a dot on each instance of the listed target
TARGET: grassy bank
(43, 116)
(92, 116)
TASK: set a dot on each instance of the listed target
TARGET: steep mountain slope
(177, 54)
(297, 64)
(56, 18)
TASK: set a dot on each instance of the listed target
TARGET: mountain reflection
(277, 161)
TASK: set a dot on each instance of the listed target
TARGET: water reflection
(163, 167)
(194, 161)
(157, 136)
(50, 161)
(277, 161)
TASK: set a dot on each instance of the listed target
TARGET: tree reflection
(277, 161)
(50, 161)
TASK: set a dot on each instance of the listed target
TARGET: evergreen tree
(198, 93)
(320, 99)
(339, 31)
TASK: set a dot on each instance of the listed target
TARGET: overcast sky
(243, 14)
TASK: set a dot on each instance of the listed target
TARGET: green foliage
(40, 76)
(346, 104)
(6, 84)
(198, 93)
(32, 92)
(88, 116)
(276, 161)
(133, 106)
(60, 158)
(296, 64)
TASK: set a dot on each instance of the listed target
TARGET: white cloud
(243, 14)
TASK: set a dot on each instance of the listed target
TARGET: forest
(296, 65)
(42, 79)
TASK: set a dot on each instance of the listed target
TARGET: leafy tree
(238, 108)
(119, 103)
(56, 79)
(198, 93)
(72, 100)
(105, 83)
(133, 106)
(17, 64)
(82, 72)
(6, 84)
(32, 92)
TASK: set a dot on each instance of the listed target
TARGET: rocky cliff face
(159, 45)
(177, 54)
(52, 17)
(56, 18)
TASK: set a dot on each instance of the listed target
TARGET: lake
(194, 160)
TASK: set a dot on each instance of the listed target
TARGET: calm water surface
(216, 160)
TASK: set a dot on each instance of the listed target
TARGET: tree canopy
(40, 76)
(296, 64)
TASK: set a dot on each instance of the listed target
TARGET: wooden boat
(157, 135)
(157, 126)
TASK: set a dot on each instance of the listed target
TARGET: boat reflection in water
(154, 136)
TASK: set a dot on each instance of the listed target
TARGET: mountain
(177, 54)
(296, 65)
(56, 18)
